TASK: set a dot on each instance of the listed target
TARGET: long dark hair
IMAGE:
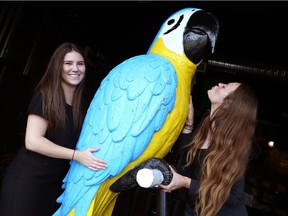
(53, 98)
(231, 131)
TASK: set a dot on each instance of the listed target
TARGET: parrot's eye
(171, 21)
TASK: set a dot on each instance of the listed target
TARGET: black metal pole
(161, 203)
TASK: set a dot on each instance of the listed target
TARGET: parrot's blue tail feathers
(80, 201)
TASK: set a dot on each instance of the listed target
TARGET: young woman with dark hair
(33, 180)
(211, 172)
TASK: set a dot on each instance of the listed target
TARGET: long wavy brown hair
(231, 131)
(53, 98)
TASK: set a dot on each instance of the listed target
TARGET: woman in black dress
(210, 175)
(33, 180)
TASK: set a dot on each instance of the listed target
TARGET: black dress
(33, 182)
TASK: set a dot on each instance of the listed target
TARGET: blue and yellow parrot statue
(138, 111)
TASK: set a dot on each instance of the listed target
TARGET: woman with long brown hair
(212, 169)
(33, 180)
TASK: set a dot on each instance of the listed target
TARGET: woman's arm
(185, 137)
(36, 141)
(189, 124)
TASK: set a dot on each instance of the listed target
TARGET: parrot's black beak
(200, 36)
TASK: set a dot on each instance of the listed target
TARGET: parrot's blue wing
(131, 104)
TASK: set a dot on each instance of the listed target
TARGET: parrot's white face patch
(174, 27)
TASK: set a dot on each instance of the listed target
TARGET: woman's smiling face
(73, 68)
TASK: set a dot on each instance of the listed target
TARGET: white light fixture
(271, 144)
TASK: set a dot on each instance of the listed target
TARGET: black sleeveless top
(33, 182)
